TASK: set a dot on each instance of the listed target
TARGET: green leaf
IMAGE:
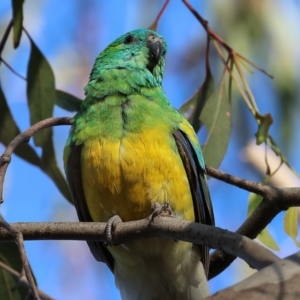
(253, 202)
(50, 167)
(67, 101)
(263, 128)
(268, 240)
(17, 6)
(10, 256)
(9, 130)
(41, 92)
(216, 115)
(265, 237)
(291, 224)
(193, 107)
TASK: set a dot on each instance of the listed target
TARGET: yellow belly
(125, 176)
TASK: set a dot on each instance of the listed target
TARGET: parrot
(130, 150)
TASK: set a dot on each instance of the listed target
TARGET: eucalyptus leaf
(17, 6)
(9, 288)
(9, 130)
(41, 92)
(265, 237)
(291, 224)
(216, 115)
(50, 167)
(193, 107)
(67, 101)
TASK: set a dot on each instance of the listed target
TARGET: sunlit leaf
(49, 165)
(9, 130)
(67, 101)
(17, 6)
(41, 92)
(291, 224)
(193, 107)
(268, 240)
(216, 115)
(253, 201)
(263, 128)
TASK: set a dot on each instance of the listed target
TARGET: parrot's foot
(111, 225)
(160, 210)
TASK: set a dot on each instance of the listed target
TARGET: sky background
(72, 33)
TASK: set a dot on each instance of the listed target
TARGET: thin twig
(153, 26)
(22, 280)
(5, 36)
(24, 137)
(250, 186)
(11, 69)
(176, 229)
(213, 35)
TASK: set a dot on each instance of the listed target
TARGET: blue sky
(71, 34)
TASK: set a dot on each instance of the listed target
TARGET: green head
(140, 50)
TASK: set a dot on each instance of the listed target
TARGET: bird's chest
(124, 176)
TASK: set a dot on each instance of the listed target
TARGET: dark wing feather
(75, 184)
(199, 189)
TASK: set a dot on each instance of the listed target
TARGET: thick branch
(277, 281)
(235, 244)
(275, 200)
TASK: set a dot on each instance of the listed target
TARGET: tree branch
(24, 137)
(277, 281)
(253, 253)
(271, 205)
(275, 200)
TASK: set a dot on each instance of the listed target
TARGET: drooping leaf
(263, 128)
(253, 201)
(8, 283)
(9, 130)
(9, 288)
(17, 6)
(50, 167)
(67, 101)
(193, 107)
(291, 224)
(216, 115)
(41, 92)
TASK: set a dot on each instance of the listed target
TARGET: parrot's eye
(129, 39)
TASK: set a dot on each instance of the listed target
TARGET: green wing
(194, 167)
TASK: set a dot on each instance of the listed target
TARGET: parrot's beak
(155, 46)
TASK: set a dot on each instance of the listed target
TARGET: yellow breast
(125, 176)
